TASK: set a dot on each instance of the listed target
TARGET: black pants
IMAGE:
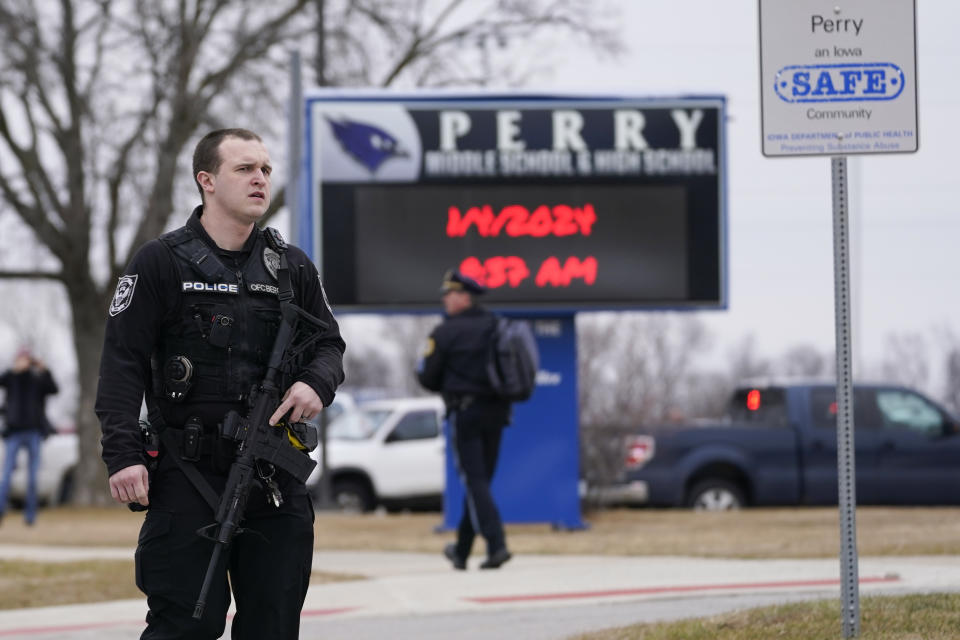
(269, 567)
(476, 433)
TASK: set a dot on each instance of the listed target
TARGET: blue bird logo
(369, 145)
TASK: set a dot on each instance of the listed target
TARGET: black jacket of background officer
(455, 364)
(456, 360)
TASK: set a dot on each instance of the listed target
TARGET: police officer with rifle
(225, 332)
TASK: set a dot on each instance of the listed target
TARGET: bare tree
(708, 394)
(101, 100)
(386, 357)
(634, 368)
(745, 362)
(948, 343)
(445, 43)
(905, 360)
(30, 326)
(951, 392)
(804, 360)
(367, 367)
(596, 373)
(409, 335)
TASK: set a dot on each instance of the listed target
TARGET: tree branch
(31, 275)
(250, 45)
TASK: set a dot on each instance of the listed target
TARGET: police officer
(190, 330)
(454, 363)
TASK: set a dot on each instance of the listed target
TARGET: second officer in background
(455, 364)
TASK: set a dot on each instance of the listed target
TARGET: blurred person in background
(28, 383)
(190, 330)
(455, 364)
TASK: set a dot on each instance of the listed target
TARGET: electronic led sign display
(556, 204)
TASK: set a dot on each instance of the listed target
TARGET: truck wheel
(715, 495)
(352, 496)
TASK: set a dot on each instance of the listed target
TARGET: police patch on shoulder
(271, 260)
(124, 294)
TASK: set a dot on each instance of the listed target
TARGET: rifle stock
(258, 441)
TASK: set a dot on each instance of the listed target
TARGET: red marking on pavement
(571, 595)
(61, 629)
(30, 631)
(325, 612)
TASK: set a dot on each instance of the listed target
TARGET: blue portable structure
(558, 203)
(538, 473)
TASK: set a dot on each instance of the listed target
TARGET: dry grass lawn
(916, 617)
(752, 533)
(34, 584)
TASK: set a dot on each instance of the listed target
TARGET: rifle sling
(193, 474)
(285, 286)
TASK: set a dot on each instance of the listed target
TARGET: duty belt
(459, 402)
(191, 444)
(169, 438)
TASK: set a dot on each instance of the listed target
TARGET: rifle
(258, 443)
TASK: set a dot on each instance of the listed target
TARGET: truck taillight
(639, 451)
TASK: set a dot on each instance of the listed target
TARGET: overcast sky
(780, 252)
(780, 209)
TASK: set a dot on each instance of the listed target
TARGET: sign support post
(838, 78)
(295, 146)
(850, 583)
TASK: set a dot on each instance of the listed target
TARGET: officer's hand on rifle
(301, 401)
(130, 484)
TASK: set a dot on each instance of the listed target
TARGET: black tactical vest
(227, 322)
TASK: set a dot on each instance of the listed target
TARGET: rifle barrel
(207, 580)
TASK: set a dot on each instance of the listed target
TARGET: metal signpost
(836, 78)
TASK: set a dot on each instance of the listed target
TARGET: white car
(58, 461)
(386, 452)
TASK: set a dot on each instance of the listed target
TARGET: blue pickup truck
(778, 446)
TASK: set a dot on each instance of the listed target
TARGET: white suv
(385, 452)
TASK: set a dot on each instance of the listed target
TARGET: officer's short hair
(206, 156)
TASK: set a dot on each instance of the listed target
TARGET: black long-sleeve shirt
(132, 336)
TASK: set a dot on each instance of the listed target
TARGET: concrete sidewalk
(407, 585)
